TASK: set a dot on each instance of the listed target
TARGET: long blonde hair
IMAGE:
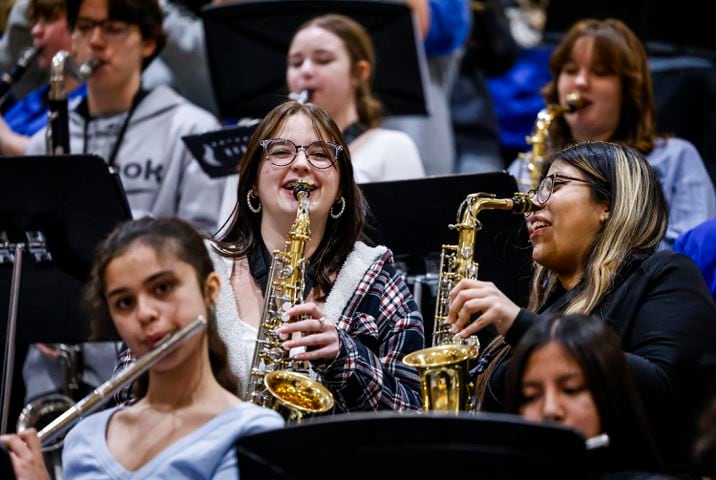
(621, 177)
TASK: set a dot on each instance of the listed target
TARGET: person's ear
(148, 48)
(363, 70)
(603, 214)
(213, 286)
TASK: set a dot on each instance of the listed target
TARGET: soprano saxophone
(278, 381)
(58, 133)
(531, 163)
(443, 367)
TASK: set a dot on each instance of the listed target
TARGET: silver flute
(598, 441)
(302, 97)
(101, 394)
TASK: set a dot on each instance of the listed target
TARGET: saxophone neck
(63, 64)
(301, 228)
(57, 75)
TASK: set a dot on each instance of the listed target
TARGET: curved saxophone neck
(57, 75)
(62, 64)
(488, 201)
(477, 202)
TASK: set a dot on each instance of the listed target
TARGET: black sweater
(661, 308)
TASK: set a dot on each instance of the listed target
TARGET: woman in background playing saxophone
(152, 277)
(606, 64)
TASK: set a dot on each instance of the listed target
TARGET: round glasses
(546, 187)
(111, 29)
(282, 152)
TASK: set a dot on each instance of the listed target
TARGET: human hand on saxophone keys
(470, 297)
(318, 336)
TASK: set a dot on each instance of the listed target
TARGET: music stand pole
(16, 258)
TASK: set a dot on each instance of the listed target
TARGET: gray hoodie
(159, 174)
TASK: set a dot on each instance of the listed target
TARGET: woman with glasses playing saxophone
(357, 318)
(150, 279)
(595, 250)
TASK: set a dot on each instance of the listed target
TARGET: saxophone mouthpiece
(302, 185)
(88, 67)
(574, 102)
(522, 203)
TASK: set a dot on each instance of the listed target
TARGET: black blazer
(661, 308)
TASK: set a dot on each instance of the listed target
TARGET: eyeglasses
(111, 29)
(546, 186)
(282, 152)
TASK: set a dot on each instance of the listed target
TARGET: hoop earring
(342, 201)
(249, 196)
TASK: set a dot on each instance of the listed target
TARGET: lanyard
(138, 97)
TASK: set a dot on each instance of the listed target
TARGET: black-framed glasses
(282, 152)
(546, 186)
(111, 29)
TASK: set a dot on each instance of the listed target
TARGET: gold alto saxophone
(277, 381)
(531, 163)
(35, 415)
(444, 367)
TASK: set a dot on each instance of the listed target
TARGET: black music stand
(219, 151)
(657, 23)
(247, 43)
(390, 445)
(412, 218)
(55, 209)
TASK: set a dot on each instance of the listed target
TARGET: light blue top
(686, 184)
(207, 453)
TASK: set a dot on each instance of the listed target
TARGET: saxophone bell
(444, 371)
(297, 395)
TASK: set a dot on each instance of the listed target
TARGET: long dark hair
(597, 350)
(244, 231)
(170, 235)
